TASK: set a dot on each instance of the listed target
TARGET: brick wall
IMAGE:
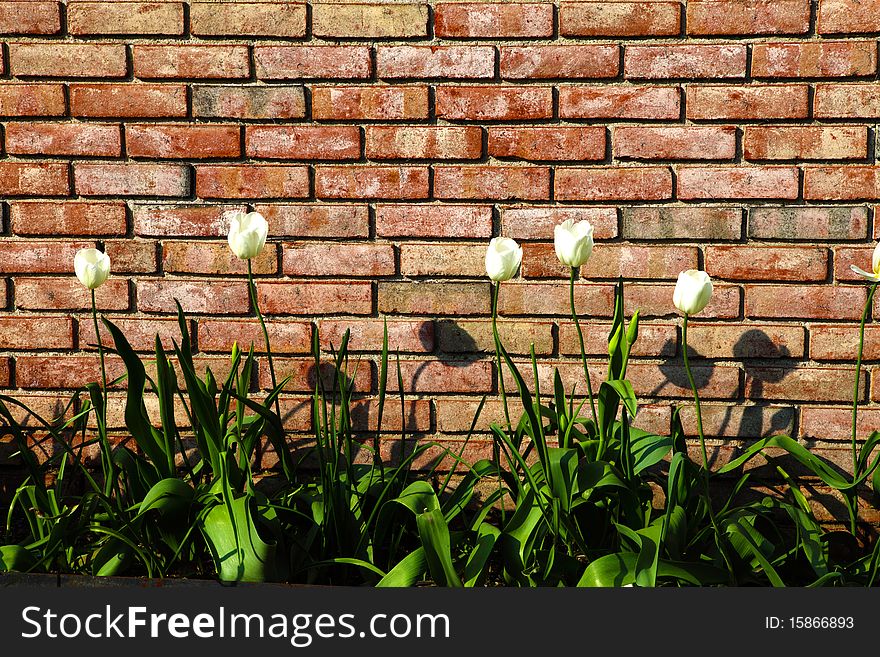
(387, 143)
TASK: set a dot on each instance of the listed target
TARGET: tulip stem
(580, 333)
(252, 286)
(101, 416)
(495, 291)
(855, 458)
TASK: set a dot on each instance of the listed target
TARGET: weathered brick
(722, 17)
(303, 142)
(67, 371)
(655, 340)
(619, 102)
(742, 421)
(492, 182)
(424, 142)
(685, 61)
(299, 62)
(316, 220)
(653, 300)
(493, 20)
(613, 261)
(805, 142)
(182, 220)
(141, 332)
(475, 336)
(548, 143)
(236, 19)
(747, 102)
(195, 296)
(34, 179)
(842, 183)
(675, 142)
(537, 62)
(691, 223)
(844, 16)
(595, 300)
(252, 181)
(365, 21)
(430, 298)
(214, 258)
(30, 18)
(190, 141)
(435, 62)
(836, 423)
(619, 183)
(494, 103)
(387, 182)
(415, 335)
(525, 223)
(841, 342)
(467, 260)
(70, 60)
(315, 298)
(20, 100)
(846, 101)
(70, 139)
(38, 256)
(820, 59)
(808, 301)
(130, 256)
(275, 102)
(619, 19)
(767, 263)
(473, 221)
(846, 256)
(793, 223)
(67, 218)
(285, 337)
(69, 294)
(128, 100)
(363, 260)
(125, 18)
(737, 182)
(131, 179)
(370, 103)
(816, 384)
(443, 376)
(185, 61)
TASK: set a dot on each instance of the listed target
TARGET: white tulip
(92, 267)
(503, 258)
(247, 234)
(875, 265)
(692, 291)
(573, 242)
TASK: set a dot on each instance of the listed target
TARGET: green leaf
(239, 553)
(647, 449)
(478, 560)
(407, 571)
(16, 558)
(434, 534)
(620, 570)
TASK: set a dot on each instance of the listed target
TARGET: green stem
(580, 333)
(101, 418)
(252, 286)
(495, 290)
(855, 458)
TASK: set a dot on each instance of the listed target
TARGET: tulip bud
(692, 291)
(247, 234)
(875, 265)
(92, 267)
(503, 258)
(573, 242)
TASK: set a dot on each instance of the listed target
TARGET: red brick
(675, 142)
(67, 218)
(236, 19)
(183, 220)
(619, 102)
(334, 259)
(140, 332)
(316, 220)
(618, 183)
(537, 62)
(548, 143)
(285, 337)
(475, 336)
(443, 376)
(67, 371)
(841, 342)
(424, 142)
(366, 21)
(842, 183)
(131, 179)
(20, 100)
(69, 294)
(591, 299)
(371, 182)
(34, 179)
(214, 258)
(195, 296)
(38, 256)
(805, 142)
(303, 142)
(808, 301)
(748, 102)
(685, 61)
(746, 422)
(720, 17)
(820, 59)
(299, 62)
(737, 182)
(314, 298)
(130, 256)
(494, 103)
(435, 62)
(525, 223)
(30, 18)
(467, 260)
(252, 181)
(619, 19)
(236, 102)
(128, 100)
(431, 298)
(303, 375)
(613, 261)
(370, 103)
(847, 101)
(655, 340)
(656, 301)
(792, 223)
(836, 423)
(648, 379)
(70, 60)
(801, 383)
(29, 333)
(182, 141)
(125, 18)
(473, 221)
(63, 139)
(767, 263)
(492, 182)
(846, 256)
(690, 223)
(844, 16)
(185, 61)
(367, 334)
(493, 20)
